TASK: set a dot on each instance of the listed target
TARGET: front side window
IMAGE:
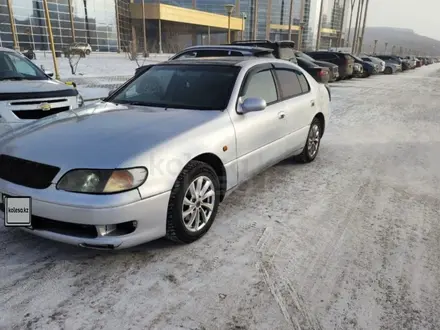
(289, 83)
(14, 66)
(261, 85)
(194, 87)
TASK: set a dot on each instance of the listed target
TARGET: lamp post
(52, 44)
(289, 32)
(229, 9)
(375, 46)
(386, 46)
(243, 24)
(144, 28)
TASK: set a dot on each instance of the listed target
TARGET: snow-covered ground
(97, 64)
(350, 241)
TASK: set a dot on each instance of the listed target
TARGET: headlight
(102, 181)
(79, 100)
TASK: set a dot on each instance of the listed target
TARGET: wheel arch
(321, 118)
(215, 162)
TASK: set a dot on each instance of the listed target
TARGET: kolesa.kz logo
(17, 211)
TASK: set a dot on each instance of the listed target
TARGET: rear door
(297, 102)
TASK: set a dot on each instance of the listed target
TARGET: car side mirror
(253, 104)
(49, 73)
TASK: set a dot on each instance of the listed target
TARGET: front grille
(38, 114)
(37, 102)
(27, 173)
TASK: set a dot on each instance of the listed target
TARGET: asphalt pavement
(350, 241)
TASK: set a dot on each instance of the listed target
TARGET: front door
(259, 135)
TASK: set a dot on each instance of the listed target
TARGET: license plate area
(17, 210)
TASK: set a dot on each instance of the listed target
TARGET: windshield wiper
(12, 78)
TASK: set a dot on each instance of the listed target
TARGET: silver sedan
(157, 156)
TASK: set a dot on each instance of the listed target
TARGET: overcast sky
(422, 16)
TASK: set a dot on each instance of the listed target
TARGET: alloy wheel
(198, 203)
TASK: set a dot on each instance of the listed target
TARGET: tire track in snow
(291, 304)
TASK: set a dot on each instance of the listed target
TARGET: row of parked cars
(324, 66)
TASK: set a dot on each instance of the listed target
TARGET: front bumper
(73, 224)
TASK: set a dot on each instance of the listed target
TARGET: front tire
(388, 70)
(313, 142)
(88, 52)
(193, 203)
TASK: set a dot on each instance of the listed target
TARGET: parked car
(320, 74)
(358, 70)
(369, 68)
(222, 51)
(284, 50)
(81, 47)
(419, 62)
(28, 93)
(161, 178)
(391, 67)
(412, 61)
(343, 61)
(333, 68)
(375, 60)
(393, 59)
(250, 49)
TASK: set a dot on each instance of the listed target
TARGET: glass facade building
(109, 25)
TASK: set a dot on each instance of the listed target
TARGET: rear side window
(262, 85)
(289, 83)
(323, 56)
(303, 82)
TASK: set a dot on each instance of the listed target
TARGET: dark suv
(343, 61)
(215, 51)
(222, 51)
(284, 50)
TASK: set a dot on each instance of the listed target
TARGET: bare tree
(74, 58)
(131, 51)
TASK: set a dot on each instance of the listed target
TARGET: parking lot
(350, 241)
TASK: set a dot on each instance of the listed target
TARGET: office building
(170, 25)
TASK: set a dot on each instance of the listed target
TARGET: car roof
(252, 49)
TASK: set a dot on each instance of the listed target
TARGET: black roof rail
(251, 41)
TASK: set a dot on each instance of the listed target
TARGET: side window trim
(281, 99)
(253, 71)
(286, 67)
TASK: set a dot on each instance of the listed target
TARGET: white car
(81, 47)
(158, 155)
(374, 60)
(28, 93)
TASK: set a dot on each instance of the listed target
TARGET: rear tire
(311, 148)
(191, 209)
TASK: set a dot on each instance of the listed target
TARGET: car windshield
(184, 86)
(16, 67)
(304, 56)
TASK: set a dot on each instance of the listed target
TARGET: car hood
(29, 86)
(104, 135)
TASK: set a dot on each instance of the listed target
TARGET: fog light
(105, 230)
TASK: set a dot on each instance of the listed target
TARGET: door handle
(312, 103)
(281, 115)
